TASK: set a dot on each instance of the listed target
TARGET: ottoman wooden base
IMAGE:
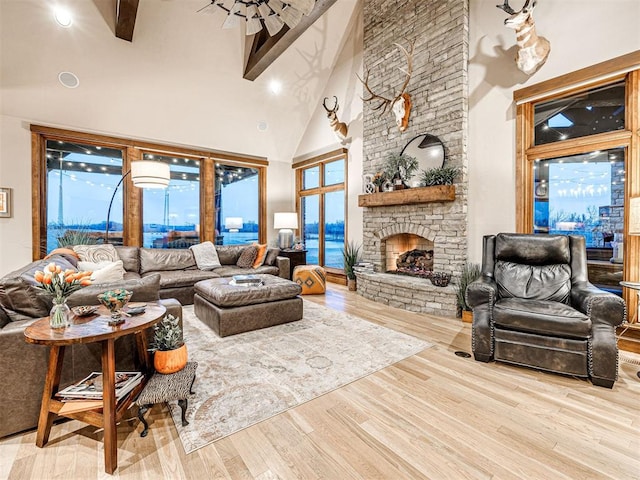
(232, 320)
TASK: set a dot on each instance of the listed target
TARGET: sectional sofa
(164, 275)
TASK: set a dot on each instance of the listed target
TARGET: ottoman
(311, 278)
(229, 309)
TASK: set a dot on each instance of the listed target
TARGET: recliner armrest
(481, 291)
(598, 305)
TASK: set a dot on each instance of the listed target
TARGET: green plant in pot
(351, 256)
(439, 176)
(400, 168)
(170, 351)
(470, 273)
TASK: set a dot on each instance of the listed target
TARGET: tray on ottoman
(229, 309)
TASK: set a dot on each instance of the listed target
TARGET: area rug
(246, 378)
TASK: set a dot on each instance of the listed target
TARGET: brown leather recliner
(534, 306)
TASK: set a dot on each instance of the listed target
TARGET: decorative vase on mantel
(60, 315)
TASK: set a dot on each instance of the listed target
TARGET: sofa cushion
(165, 259)
(182, 278)
(144, 290)
(19, 293)
(272, 254)
(97, 253)
(545, 282)
(229, 254)
(247, 257)
(542, 317)
(205, 255)
(130, 257)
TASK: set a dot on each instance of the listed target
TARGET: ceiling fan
(273, 13)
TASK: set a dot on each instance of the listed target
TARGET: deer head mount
(400, 104)
(532, 49)
(339, 128)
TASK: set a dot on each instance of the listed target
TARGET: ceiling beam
(126, 11)
(265, 49)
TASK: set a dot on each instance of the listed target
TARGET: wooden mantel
(439, 193)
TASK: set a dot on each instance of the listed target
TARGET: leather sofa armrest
(173, 306)
(600, 306)
(481, 291)
(284, 267)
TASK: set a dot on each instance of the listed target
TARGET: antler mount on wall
(400, 104)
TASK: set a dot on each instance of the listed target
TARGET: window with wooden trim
(577, 164)
(321, 200)
(75, 175)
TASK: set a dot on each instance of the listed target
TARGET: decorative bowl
(84, 310)
(115, 300)
(440, 279)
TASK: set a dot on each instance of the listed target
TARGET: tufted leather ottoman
(229, 309)
(311, 278)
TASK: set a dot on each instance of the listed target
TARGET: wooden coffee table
(94, 328)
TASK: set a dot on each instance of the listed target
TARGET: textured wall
(438, 88)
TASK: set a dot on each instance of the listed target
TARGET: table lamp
(233, 224)
(285, 222)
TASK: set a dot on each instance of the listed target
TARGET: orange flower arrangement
(61, 283)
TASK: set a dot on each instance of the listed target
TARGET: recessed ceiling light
(68, 79)
(275, 87)
(262, 126)
(63, 17)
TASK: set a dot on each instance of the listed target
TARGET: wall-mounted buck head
(533, 50)
(400, 104)
(339, 128)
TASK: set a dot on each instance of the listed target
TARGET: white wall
(319, 136)
(179, 82)
(582, 33)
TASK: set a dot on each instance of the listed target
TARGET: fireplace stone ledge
(409, 293)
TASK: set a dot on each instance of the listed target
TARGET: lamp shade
(285, 220)
(634, 216)
(149, 174)
(233, 223)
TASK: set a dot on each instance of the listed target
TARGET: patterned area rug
(244, 379)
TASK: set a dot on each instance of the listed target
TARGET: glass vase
(60, 314)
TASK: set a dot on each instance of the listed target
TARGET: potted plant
(470, 272)
(400, 168)
(439, 176)
(170, 351)
(351, 256)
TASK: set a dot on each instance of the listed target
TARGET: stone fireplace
(438, 89)
(397, 246)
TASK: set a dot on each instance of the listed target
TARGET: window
(76, 175)
(80, 181)
(237, 204)
(321, 187)
(577, 164)
(171, 216)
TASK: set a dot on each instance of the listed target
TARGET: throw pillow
(62, 251)
(272, 254)
(260, 255)
(97, 253)
(103, 272)
(247, 257)
(206, 255)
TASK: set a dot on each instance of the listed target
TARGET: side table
(296, 257)
(94, 328)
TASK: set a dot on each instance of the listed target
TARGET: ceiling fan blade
(291, 16)
(304, 6)
(271, 20)
(254, 25)
(232, 19)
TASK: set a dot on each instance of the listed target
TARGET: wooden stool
(164, 388)
(311, 278)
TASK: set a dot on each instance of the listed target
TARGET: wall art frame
(5, 203)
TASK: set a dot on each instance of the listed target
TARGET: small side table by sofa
(164, 388)
(296, 257)
(91, 329)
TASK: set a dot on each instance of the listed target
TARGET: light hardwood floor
(433, 415)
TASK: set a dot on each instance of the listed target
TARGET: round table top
(92, 328)
(634, 285)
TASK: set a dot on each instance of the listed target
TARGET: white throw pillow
(103, 272)
(206, 255)
(97, 253)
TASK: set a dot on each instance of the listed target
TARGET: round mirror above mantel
(427, 149)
